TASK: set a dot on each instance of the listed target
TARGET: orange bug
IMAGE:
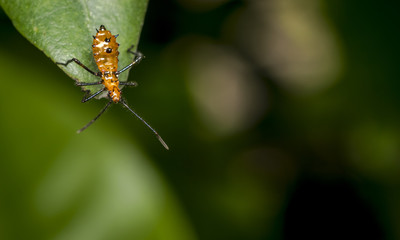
(105, 53)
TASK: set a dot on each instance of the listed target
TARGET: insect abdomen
(105, 50)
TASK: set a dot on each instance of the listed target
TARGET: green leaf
(64, 29)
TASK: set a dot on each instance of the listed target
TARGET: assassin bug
(105, 53)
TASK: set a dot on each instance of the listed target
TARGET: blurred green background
(282, 118)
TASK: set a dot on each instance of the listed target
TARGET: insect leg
(148, 125)
(94, 119)
(134, 53)
(80, 64)
(88, 84)
(138, 57)
(131, 84)
(87, 98)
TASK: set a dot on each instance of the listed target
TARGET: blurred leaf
(64, 29)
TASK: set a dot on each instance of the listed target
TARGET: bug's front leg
(87, 96)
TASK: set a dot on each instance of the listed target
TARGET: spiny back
(105, 50)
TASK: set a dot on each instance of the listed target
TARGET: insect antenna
(141, 119)
(94, 119)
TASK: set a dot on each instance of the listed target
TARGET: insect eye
(108, 50)
(107, 40)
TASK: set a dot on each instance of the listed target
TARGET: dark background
(282, 118)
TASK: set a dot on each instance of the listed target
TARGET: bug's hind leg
(134, 53)
(80, 64)
(138, 57)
